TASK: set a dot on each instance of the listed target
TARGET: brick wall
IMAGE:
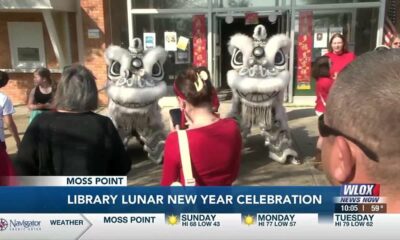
(94, 17)
(5, 60)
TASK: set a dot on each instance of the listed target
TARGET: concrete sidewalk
(256, 168)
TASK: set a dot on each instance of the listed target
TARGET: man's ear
(343, 162)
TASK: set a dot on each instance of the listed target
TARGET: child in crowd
(41, 96)
(6, 111)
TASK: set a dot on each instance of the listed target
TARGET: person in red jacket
(321, 74)
(339, 55)
(215, 144)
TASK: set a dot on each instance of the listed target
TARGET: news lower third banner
(120, 212)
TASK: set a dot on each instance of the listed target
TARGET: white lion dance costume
(135, 84)
(258, 80)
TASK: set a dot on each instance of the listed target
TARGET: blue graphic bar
(168, 200)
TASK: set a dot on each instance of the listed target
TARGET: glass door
(359, 27)
(226, 25)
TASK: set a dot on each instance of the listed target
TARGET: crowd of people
(358, 116)
(357, 106)
(66, 137)
(72, 139)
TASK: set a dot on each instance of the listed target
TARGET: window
(28, 54)
(248, 3)
(307, 2)
(167, 4)
(27, 44)
(182, 25)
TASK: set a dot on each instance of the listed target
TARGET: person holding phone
(178, 120)
(215, 144)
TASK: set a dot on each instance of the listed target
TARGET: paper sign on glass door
(149, 40)
(170, 40)
(183, 43)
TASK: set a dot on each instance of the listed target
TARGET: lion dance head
(259, 75)
(135, 77)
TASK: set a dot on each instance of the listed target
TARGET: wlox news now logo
(19, 225)
(360, 190)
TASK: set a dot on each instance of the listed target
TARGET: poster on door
(170, 41)
(183, 43)
(320, 38)
(304, 50)
(199, 40)
(183, 56)
(149, 40)
(251, 18)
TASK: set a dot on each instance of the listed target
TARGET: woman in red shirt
(338, 54)
(322, 76)
(215, 144)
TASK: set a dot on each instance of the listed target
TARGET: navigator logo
(24, 225)
(3, 224)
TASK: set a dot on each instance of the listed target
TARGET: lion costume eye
(279, 58)
(237, 59)
(115, 69)
(157, 71)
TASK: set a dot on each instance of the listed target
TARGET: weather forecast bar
(194, 213)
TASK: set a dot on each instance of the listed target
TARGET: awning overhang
(32, 5)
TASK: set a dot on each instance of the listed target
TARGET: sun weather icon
(172, 220)
(248, 220)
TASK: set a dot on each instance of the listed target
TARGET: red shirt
(6, 168)
(339, 62)
(214, 151)
(322, 88)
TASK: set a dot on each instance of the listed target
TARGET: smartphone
(176, 117)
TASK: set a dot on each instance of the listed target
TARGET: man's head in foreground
(361, 126)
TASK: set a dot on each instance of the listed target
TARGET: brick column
(93, 19)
